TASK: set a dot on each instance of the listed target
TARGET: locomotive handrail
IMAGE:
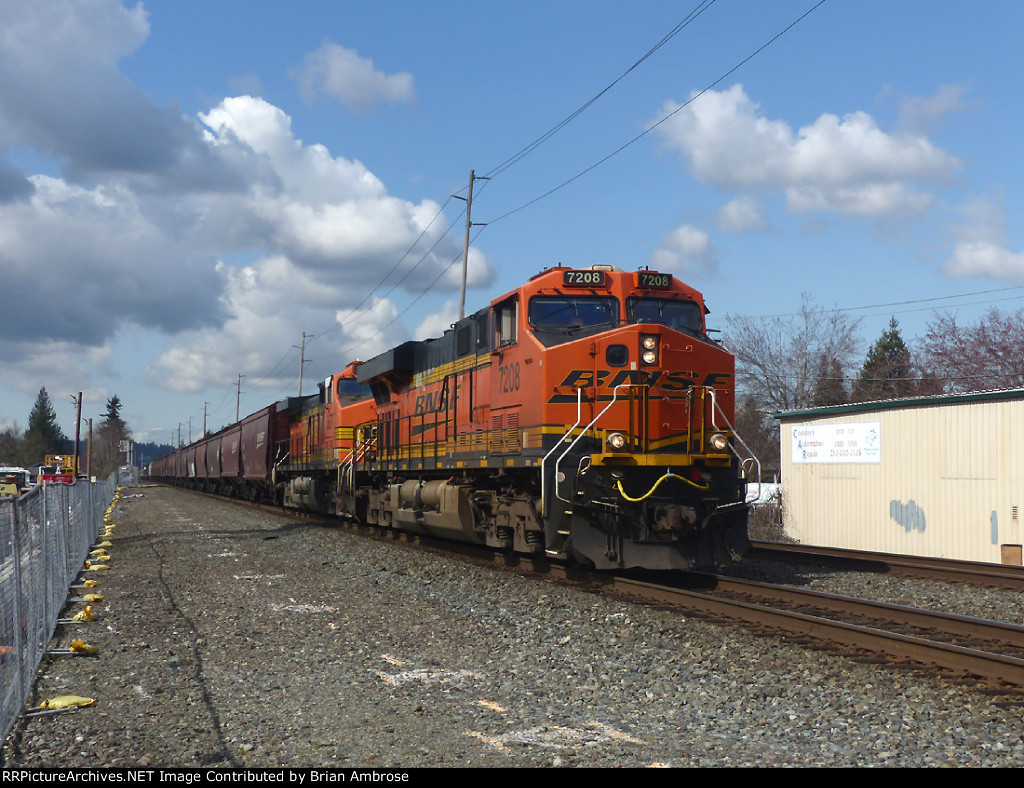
(690, 421)
(743, 460)
(579, 418)
(615, 396)
(359, 451)
(341, 467)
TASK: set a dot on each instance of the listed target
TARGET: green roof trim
(906, 402)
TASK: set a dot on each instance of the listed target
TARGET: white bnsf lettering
(261, 438)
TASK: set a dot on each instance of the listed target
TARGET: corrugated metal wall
(949, 481)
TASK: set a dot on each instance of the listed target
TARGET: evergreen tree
(112, 430)
(831, 387)
(887, 372)
(112, 418)
(43, 436)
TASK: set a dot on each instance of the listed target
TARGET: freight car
(585, 415)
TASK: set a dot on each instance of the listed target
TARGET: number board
(652, 280)
(583, 278)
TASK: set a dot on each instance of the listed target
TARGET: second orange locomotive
(585, 414)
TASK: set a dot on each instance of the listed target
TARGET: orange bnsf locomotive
(585, 415)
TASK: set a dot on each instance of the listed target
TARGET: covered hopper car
(585, 415)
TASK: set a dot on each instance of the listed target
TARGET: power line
(521, 154)
(656, 124)
(899, 303)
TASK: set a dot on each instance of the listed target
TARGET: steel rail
(975, 572)
(988, 665)
(948, 623)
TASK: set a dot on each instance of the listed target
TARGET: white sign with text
(837, 443)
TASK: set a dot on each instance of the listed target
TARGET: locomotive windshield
(680, 315)
(573, 313)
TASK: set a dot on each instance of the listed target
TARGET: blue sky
(186, 187)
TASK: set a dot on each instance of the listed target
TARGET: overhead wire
(354, 310)
(522, 153)
(899, 303)
(662, 120)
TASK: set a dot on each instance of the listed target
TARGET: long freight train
(584, 415)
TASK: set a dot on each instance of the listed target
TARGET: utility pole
(78, 432)
(204, 418)
(465, 248)
(302, 358)
(88, 454)
(238, 396)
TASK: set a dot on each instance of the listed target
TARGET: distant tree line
(147, 452)
(813, 359)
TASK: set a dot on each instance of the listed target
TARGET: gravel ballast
(235, 637)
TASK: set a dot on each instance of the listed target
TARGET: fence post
(20, 699)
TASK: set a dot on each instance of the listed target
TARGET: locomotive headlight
(649, 349)
(616, 441)
(718, 442)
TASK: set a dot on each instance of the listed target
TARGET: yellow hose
(650, 492)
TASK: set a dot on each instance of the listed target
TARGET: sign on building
(851, 442)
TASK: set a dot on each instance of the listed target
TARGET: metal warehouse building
(929, 476)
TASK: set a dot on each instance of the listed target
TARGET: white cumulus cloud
(223, 236)
(984, 258)
(840, 164)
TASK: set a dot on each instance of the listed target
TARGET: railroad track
(988, 650)
(973, 572)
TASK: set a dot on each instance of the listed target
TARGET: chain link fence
(45, 537)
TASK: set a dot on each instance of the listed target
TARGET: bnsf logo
(430, 403)
(667, 381)
(657, 379)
